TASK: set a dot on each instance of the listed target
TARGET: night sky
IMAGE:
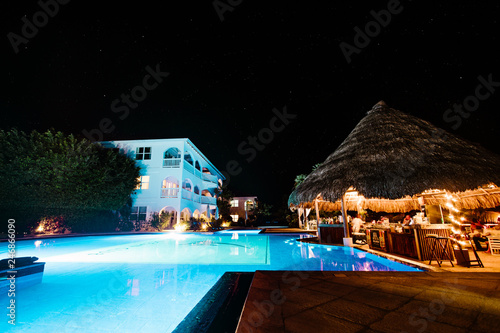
(226, 76)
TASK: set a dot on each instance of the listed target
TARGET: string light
(455, 229)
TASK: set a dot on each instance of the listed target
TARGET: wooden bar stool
(464, 255)
(478, 261)
(444, 245)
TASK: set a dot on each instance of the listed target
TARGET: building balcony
(208, 200)
(188, 195)
(188, 167)
(209, 178)
(172, 163)
(169, 192)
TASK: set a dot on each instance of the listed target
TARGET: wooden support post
(317, 220)
(347, 237)
(344, 218)
(441, 211)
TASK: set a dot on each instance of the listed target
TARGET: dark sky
(226, 76)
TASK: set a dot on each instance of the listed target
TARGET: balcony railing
(209, 178)
(169, 192)
(188, 195)
(171, 163)
(188, 167)
(197, 173)
(208, 200)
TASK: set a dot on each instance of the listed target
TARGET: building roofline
(206, 159)
(182, 139)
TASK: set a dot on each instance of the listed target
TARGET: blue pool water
(149, 283)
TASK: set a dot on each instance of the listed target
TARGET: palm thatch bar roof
(392, 157)
(484, 197)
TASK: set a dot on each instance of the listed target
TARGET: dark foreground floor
(372, 302)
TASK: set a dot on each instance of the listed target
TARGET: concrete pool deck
(280, 301)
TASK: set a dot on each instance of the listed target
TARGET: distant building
(242, 207)
(175, 177)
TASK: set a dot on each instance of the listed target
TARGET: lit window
(170, 183)
(235, 218)
(172, 153)
(249, 205)
(138, 213)
(143, 153)
(234, 203)
(143, 183)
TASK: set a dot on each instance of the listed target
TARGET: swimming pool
(149, 283)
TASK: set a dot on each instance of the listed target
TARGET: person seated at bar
(477, 234)
(384, 220)
(476, 225)
(407, 221)
(491, 232)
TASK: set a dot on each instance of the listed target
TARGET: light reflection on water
(123, 283)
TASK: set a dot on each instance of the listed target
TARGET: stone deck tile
(401, 287)
(463, 300)
(302, 299)
(397, 322)
(358, 301)
(377, 299)
(319, 322)
(491, 306)
(332, 288)
(485, 323)
(354, 312)
(442, 313)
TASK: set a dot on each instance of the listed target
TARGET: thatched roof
(484, 197)
(393, 155)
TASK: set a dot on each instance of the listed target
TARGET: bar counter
(331, 233)
(412, 242)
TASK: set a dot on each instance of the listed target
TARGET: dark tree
(261, 213)
(224, 204)
(52, 174)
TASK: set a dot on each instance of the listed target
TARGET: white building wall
(151, 197)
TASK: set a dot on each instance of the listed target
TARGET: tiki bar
(417, 188)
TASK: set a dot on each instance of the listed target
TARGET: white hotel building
(175, 177)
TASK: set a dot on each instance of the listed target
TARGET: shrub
(93, 221)
(160, 221)
(293, 221)
(241, 221)
(125, 225)
(50, 225)
(182, 226)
